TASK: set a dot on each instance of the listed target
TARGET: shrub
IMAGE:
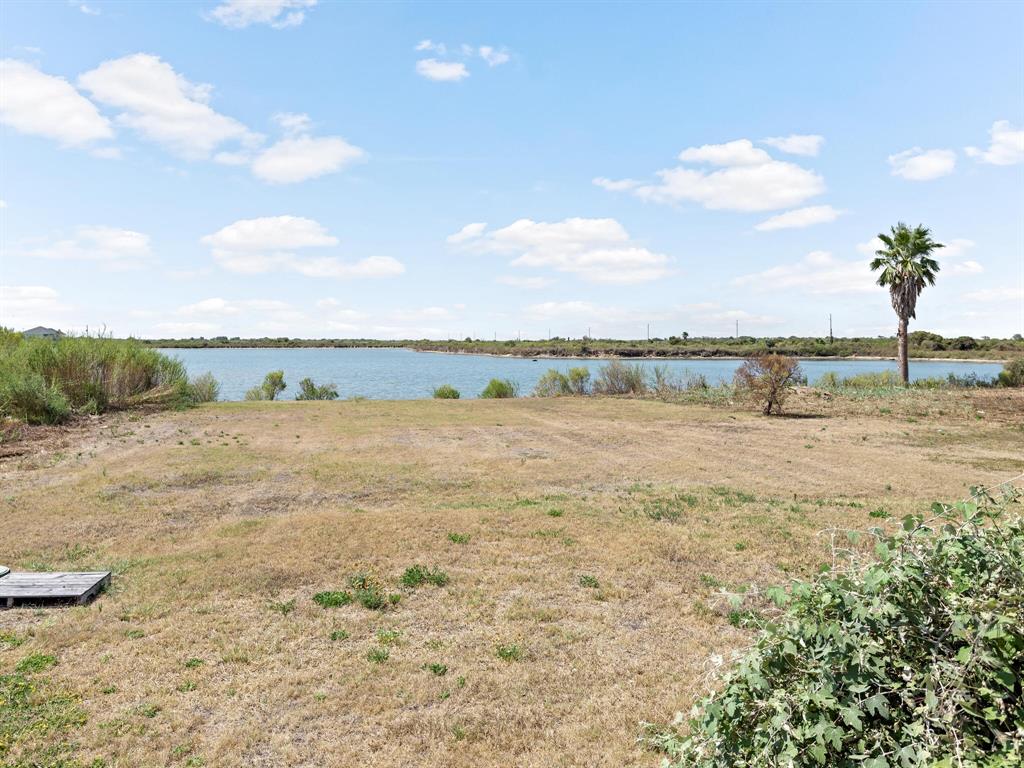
(204, 388)
(272, 386)
(910, 657)
(25, 395)
(332, 599)
(500, 389)
(553, 383)
(619, 378)
(510, 652)
(1012, 374)
(446, 392)
(309, 390)
(768, 380)
(579, 380)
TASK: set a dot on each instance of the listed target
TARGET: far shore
(684, 357)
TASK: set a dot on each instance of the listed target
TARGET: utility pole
(737, 328)
(830, 337)
(648, 331)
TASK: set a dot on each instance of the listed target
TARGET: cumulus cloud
(817, 273)
(88, 10)
(796, 144)
(300, 158)
(112, 247)
(268, 244)
(468, 232)
(918, 164)
(429, 45)
(598, 250)
(162, 106)
(279, 14)
(33, 102)
(25, 306)
(747, 179)
(1006, 145)
(442, 71)
(800, 218)
(996, 295)
(612, 185)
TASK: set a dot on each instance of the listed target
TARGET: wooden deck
(78, 588)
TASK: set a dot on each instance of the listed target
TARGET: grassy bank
(48, 382)
(559, 564)
(922, 345)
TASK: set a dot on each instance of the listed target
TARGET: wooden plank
(45, 586)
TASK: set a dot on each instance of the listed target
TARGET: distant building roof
(39, 330)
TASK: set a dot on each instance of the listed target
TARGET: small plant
(193, 663)
(417, 575)
(589, 582)
(10, 640)
(440, 670)
(339, 634)
(555, 512)
(768, 380)
(509, 652)
(186, 686)
(309, 390)
(446, 392)
(35, 662)
(458, 538)
(388, 636)
(332, 599)
(272, 386)
(378, 655)
(284, 608)
(500, 389)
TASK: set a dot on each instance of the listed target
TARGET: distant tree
(906, 269)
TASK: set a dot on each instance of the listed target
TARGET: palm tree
(907, 267)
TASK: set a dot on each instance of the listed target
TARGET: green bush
(446, 392)
(46, 381)
(553, 383)
(579, 380)
(309, 390)
(1012, 374)
(418, 575)
(273, 385)
(910, 656)
(204, 388)
(619, 378)
(500, 389)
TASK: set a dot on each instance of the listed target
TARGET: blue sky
(293, 168)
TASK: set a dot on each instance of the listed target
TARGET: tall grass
(46, 382)
(618, 378)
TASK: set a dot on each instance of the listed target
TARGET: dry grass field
(586, 544)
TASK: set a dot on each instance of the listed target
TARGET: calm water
(401, 374)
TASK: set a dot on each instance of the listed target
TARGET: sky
(440, 170)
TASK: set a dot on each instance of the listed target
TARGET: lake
(402, 374)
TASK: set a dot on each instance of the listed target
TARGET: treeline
(921, 344)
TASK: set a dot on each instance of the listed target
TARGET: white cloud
(45, 105)
(818, 273)
(430, 45)
(442, 71)
(304, 157)
(969, 267)
(222, 307)
(256, 246)
(621, 185)
(163, 106)
(3, 203)
(468, 232)
(531, 283)
(26, 306)
(996, 295)
(954, 248)
(279, 14)
(598, 250)
(185, 329)
(868, 248)
(554, 309)
(739, 152)
(918, 164)
(800, 218)
(748, 179)
(492, 56)
(1006, 145)
(796, 144)
(293, 124)
(88, 10)
(113, 247)
(107, 153)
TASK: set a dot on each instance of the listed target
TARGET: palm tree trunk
(901, 351)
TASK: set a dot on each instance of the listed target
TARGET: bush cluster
(446, 392)
(45, 381)
(500, 389)
(909, 653)
(310, 390)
